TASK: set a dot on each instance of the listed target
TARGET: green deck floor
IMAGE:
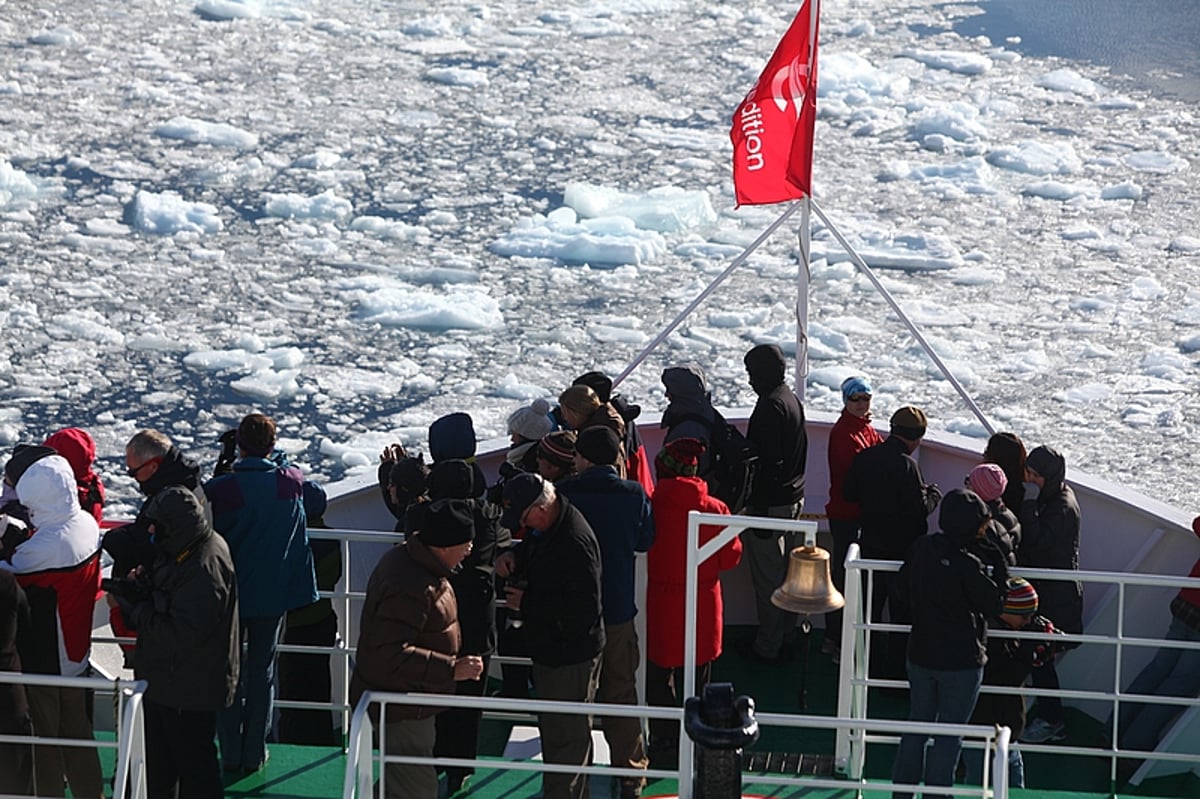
(300, 772)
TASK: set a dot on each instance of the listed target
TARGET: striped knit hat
(679, 458)
(1022, 600)
(558, 447)
(988, 481)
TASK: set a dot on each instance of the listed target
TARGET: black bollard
(721, 727)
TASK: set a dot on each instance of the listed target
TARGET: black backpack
(733, 461)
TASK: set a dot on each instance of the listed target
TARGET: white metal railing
(130, 767)
(855, 680)
(367, 744)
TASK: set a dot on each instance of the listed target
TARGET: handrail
(360, 765)
(853, 674)
(130, 744)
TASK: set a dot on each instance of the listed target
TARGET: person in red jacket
(851, 434)
(679, 491)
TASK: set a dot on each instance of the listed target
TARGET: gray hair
(548, 496)
(148, 444)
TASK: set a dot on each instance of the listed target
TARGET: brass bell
(809, 588)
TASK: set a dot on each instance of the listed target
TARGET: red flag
(773, 127)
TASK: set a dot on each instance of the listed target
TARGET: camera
(132, 589)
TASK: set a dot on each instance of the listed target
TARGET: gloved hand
(228, 454)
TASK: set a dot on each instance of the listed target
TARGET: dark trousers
(457, 728)
(1049, 708)
(16, 760)
(306, 678)
(181, 753)
(664, 688)
(844, 534)
(516, 679)
(889, 651)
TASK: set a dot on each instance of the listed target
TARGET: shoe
(456, 781)
(1041, 731)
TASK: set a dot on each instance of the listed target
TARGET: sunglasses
(859, 398)
(136, 470)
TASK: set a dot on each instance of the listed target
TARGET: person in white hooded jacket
(58, 566)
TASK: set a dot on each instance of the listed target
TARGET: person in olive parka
(187, 645)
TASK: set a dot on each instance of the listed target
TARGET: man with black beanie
(776, 431)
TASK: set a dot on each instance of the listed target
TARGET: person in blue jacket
(258, 509)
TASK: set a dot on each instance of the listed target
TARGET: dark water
(1156, 43)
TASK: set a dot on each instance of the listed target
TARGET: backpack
(733, 461)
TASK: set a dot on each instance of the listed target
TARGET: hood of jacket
(1050, 464)
(685, 384)
(453, 479)
(178, 520)
(175, 470)
(78, 448)
(47, 489)
(766, 366)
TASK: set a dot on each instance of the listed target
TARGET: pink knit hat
(987, 480)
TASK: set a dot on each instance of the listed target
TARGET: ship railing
(1112, 659)
(368, 744)
(129, 780)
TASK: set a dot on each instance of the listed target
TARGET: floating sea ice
(962, 62)
(457, 309)
(607, 241)
(1068, 80)
(1087, 394)
(169, 213)
(1184, 244)
(1155, 162)
(1037, 158)
(268, 384)
(512, 388)
(458, 76)
(17, 190)
(1121, 191)
(666, 209)
(844, 74)
(325, 205)
(1058, 190)
(198, 131)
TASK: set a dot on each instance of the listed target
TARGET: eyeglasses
(859, 398)
(134, 471)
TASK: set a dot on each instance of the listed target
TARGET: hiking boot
(1041, 731)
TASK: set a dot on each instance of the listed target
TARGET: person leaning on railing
(1172, 672)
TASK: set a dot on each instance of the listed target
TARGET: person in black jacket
(1050, 540)
(187, 645)
(16, 760)
(559, 561)
(886, 482)
(950, 597)
(776, 431)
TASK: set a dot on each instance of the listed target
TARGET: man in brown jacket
(409, 639)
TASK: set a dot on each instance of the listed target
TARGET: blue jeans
(934, 695)
(973, 764)
(1172, 672)
(242, 727)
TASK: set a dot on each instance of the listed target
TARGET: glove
(1032, 490)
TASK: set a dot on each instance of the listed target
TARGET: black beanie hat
(24, 456)
(447, 523)
(599, 445)
(961, 514)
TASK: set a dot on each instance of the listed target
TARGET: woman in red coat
(679, 491)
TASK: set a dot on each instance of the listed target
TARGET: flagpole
(802, 284)
(721, 278)
(912, 328)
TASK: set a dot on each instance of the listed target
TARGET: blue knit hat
(855, 385)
